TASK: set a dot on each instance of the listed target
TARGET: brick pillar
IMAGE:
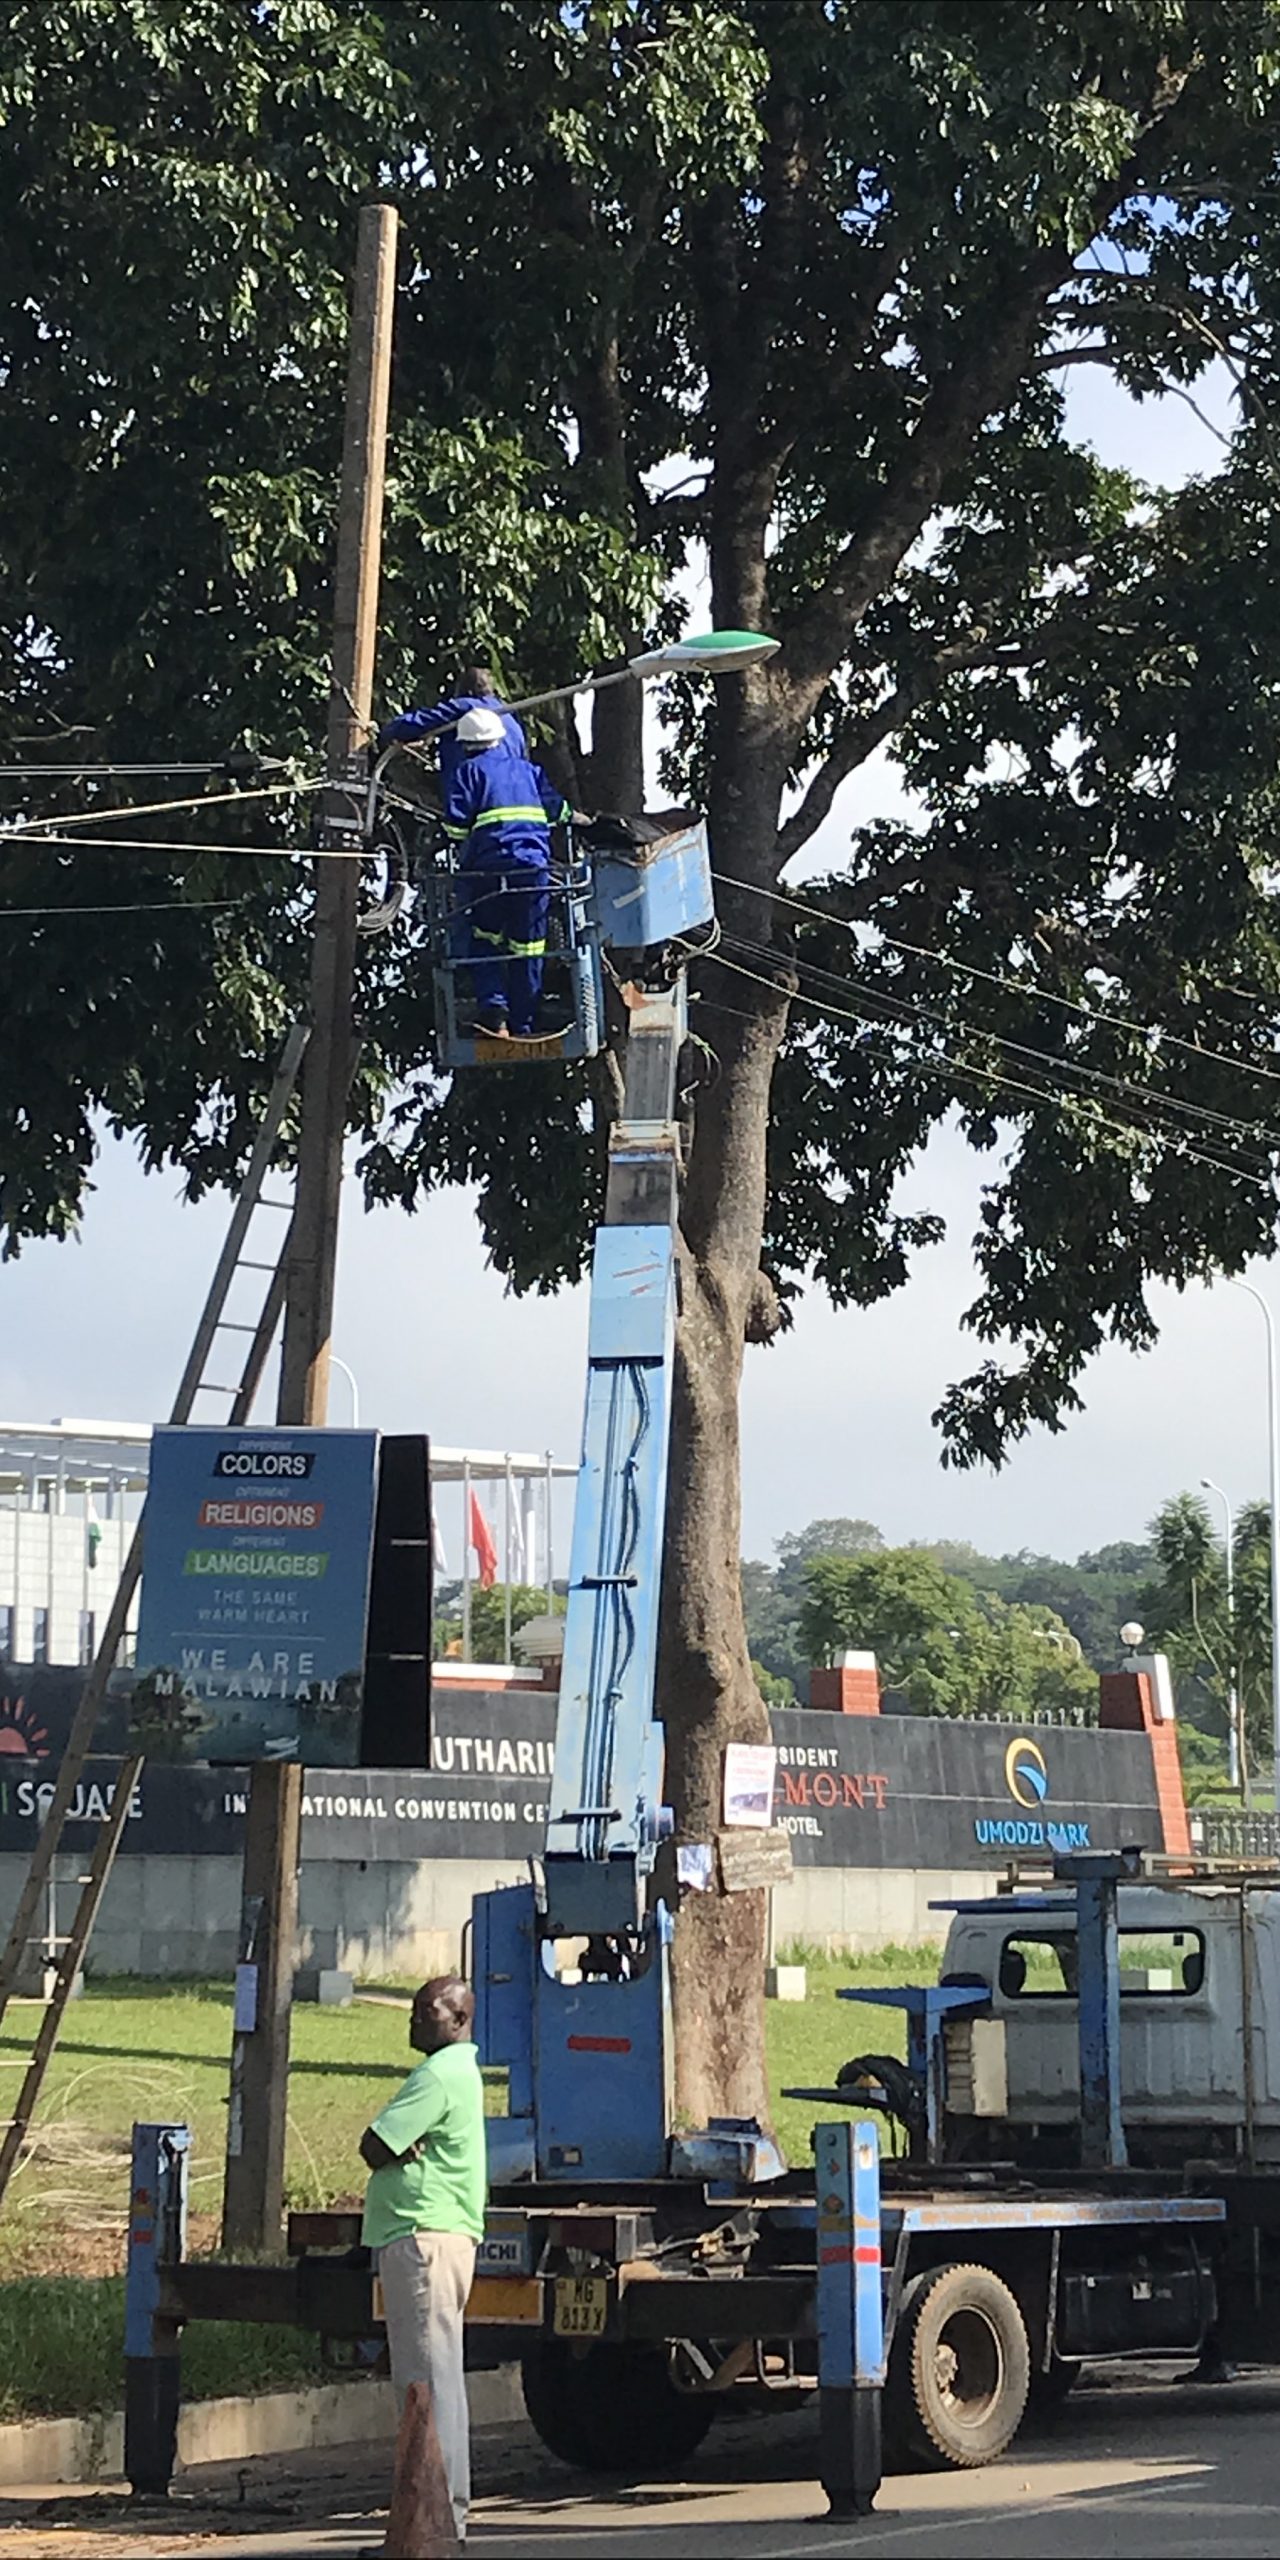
(851, 1689)
(1130, 1701)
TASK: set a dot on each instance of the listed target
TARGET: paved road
(1147, 2473)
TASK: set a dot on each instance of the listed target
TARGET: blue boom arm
(606, 1815)
(583, 2034)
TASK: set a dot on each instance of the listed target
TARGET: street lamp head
(722, 653)
(1131, 1634)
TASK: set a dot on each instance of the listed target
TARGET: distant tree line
(957, 1632)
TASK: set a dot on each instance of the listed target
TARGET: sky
(835, 1417)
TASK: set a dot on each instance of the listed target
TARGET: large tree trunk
(707, 1694)
(707, 1697)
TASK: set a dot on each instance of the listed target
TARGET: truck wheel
(959, 2371)
(611, 2408)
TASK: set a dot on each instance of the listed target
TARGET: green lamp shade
(720, 652)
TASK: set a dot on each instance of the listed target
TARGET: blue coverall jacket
(413, 726)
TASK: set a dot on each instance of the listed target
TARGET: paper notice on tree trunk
(749, 1772)
(751, 1859)
(693, 1865)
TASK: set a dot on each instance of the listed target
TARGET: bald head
(443, 2013)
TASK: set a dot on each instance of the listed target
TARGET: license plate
(581, 2307)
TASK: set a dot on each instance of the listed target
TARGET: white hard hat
(481, 729)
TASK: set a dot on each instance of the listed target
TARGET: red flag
(481, 1540)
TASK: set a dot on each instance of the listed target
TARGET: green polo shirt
(441, 2105)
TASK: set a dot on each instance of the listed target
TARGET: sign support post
(253, 2202)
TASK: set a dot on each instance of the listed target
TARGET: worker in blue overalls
(478, 692)
(500, 809)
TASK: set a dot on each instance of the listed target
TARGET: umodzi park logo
(1026, 1775)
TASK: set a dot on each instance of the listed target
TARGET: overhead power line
(1146, 1095)
(33, 829)
(143, 907)
(175, 844)
(1170, 1143)
(75, 772)
(1020, 986)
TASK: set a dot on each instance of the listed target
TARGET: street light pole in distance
(1273, 1478)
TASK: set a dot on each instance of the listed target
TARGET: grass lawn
(808, 2040)
(160, 2053)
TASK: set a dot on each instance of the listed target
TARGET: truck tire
(959, 2371)
(611, 2408)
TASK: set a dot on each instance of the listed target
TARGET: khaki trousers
(426, 2278)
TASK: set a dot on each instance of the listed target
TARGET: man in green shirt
(424, 2213)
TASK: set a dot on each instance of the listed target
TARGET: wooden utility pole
(254, 2196)
(326, 1076)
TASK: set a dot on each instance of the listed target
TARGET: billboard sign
(255, 1596)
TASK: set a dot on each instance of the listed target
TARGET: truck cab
(1199, 2023)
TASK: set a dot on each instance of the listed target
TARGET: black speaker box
(395, 1727)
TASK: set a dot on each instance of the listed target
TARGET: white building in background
(71, 1492)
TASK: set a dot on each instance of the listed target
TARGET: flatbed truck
(646, 2275)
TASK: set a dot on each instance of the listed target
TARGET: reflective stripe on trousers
(506, 950)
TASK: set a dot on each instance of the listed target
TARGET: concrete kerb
(60, 2451)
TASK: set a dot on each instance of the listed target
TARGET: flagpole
(529, 1530)
(506, 1545)
(466, 1559)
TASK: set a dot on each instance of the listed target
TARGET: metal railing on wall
(1228, 1834)
(1084, 1715)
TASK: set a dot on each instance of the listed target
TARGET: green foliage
(489, 1618)
(1089, 1599)
(941, 1647)
(1184, 1608)
(1203, 1758)
(797, 285)
(799, 1548)
(776, 1690)
(772, 1598)
(1093, 1597)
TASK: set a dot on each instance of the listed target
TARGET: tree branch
(850, 750)
(1064, 356)
(964, 395)
(979, 383)
(862, 737)
(744, 305)
(687, 514)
